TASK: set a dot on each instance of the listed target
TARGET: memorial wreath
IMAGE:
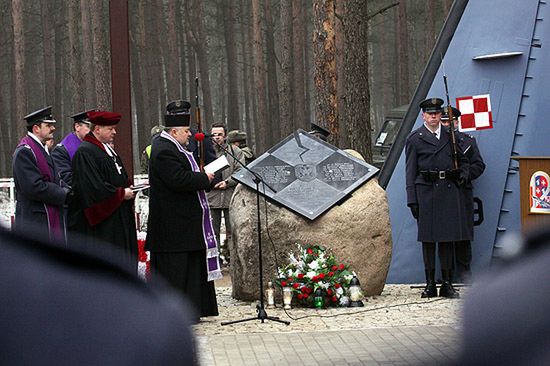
(312, 272)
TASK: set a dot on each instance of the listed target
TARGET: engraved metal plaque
(309, 175)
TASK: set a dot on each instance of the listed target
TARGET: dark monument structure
(309, 175)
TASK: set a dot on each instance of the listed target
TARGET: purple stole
(52, 212)
(71, 143)
(212, 261)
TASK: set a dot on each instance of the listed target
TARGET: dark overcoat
(175, 213)
(62, 161)
(467, 144)
(443, 215)
(33, 191)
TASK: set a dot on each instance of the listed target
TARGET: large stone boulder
(357, 231)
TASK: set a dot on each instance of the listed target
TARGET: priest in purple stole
(179, 232)
(39, 197)
(102, 209)
(62, 153)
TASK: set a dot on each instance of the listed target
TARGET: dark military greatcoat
(34, 191)
(443, 213)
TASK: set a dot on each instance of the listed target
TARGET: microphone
(200, 136)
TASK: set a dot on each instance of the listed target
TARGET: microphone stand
(262, 314)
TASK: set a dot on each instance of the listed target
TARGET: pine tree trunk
(19, 95)
(259, 79)
(202, 58)
(356, 114)
(233, 115)
(272, 84)
(245, 54)
(88, 72)
(325, 75)
(299, 69)
(287, 71)
(101, 56)
(172, 64)
(403, 53)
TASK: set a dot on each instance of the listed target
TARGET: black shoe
(447, 290)
(429, 291)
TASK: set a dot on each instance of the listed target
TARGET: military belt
(434, 175)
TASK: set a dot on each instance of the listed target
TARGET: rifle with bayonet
(454, 150)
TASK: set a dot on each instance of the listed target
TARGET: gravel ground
(398, 305)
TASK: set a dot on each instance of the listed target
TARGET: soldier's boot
(447, 289)
(430, 290)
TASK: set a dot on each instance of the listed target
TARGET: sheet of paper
(217, 165)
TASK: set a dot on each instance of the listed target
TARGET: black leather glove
(456, 177)
(414, 210)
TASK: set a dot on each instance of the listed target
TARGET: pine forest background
(267, 67)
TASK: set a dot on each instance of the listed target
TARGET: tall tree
(272, 85)
(172, 64)
(88, 70)
(101, 56)
(356, 113)
(403, 53)
(286, 100)
(259, 79)
(325, 75)
(339, 38)
(19, 95)
(233, 115)
(299, 41)
(245, 55)
(429, 32)
(75, 76)
(308, 65)
(200, 45)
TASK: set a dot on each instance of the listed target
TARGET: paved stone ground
(395, 328)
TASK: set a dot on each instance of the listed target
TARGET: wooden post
(120, 76)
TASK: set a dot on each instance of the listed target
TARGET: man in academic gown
(39, 196)
(102, 206)
(179, 232)
(62, 153)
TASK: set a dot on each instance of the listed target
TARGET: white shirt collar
(35, 138)
(437, 132)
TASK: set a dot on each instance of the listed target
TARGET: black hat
(177, 120)
(320, 131)
(41, 115)
(178, 114)
(82, 116)
(432, 105)
(445, 115)
(178, 107)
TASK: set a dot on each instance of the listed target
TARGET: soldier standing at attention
(468, 145)
(434, 194)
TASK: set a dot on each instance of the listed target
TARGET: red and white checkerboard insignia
(476, 112)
